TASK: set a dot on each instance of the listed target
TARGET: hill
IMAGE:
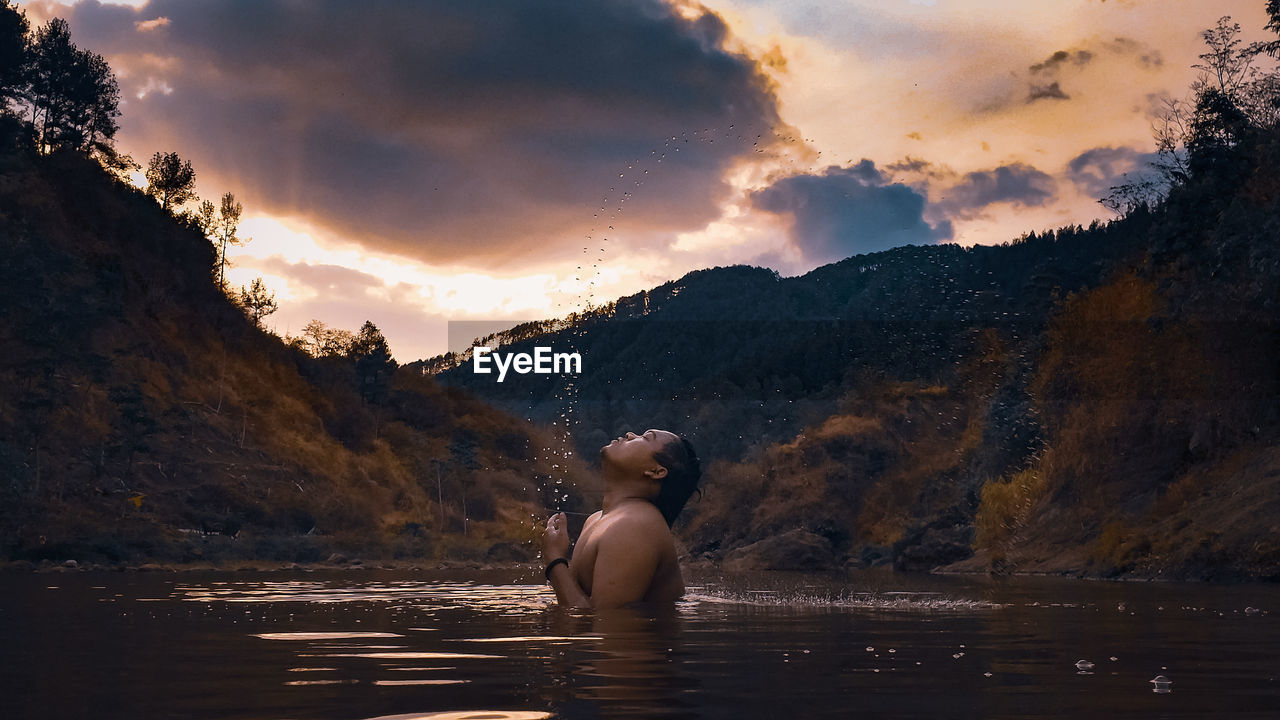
(1096, 400)
(145, 418)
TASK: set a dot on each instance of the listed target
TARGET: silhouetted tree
(1230, 99)
(257, 301)
(370, 342)
(1217, 127)
(1170, 130)
(71, 94)
(1227, 65)
(319, 340)
(170, 179)
(205, 216)
(120, 165)
(224, 232)
(313, 336)
(1233, 97)
(13, 54)
(374, 363)
(1272, 47)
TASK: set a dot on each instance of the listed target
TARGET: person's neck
(616, 497)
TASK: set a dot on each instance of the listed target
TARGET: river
(490, 644)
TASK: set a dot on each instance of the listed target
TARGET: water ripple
(902, 601)
(470, 715)
(443, 595)
(324, 635)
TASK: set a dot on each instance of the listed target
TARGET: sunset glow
(415, 163)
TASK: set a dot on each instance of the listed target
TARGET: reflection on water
(322, 635)
(404, 655)
(419, 682)
(490, 645)
(470, 715)
(462, 594)
(864, 601)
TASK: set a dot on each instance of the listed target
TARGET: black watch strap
(551, 565)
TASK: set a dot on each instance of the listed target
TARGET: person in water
(625, 553)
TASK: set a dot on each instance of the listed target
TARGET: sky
(416, 162)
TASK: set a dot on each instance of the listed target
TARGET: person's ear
(657, 473)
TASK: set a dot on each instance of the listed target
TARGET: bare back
(632, 554)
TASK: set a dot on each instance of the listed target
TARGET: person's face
(634, 454)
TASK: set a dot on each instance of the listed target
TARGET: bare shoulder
(592, 519)
(641, 522)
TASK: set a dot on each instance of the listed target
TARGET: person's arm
(555, 544)
(627, 557)
(568, 592)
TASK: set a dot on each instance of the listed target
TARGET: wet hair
(681, 481)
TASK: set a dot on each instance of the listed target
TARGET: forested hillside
(1097, 400)
(144, 416)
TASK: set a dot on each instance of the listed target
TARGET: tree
(1233, 96)
(205, 216)
(313, 337)
(170, 179)
(463, 454)
(1230, 100)
(1217, 127)
(97, 97)
(257, 302)
(1226, 65)
(13, 53)
(71, 94)
(1170, 131)
(1123, 199)
(220, 225)
(1272, 47)
(374, 363)
(224, 231)
(120, 165)
(370, 341)
(320, 340)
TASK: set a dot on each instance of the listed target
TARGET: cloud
(1079, 57)
(1061, 57)
(843, 211)
(145, 25)
(322, 278)
(910, 164)
(1051, 91)
(1045, 83)
(1099, 169)
(1017, 184)
(859, 208)
(443, 131)
(1147, 56)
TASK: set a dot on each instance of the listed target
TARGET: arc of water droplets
(608, 215)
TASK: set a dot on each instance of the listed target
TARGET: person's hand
(555, 539)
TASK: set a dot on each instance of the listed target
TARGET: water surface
(473, 644)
